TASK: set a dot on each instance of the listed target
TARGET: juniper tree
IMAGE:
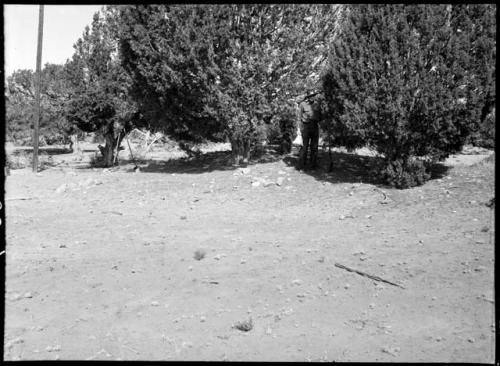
(20, 102)
(405, 80)
(99, 100)
(220, 71)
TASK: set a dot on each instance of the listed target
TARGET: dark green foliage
(220, 71)
(166, 52)
(410, 81)
(405, 173)
(91, 110)
(287, 126)
(485, 135)
(99, 89)
(20, 104)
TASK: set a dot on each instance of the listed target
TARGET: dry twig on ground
(376, 278)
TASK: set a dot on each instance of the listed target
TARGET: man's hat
(311, 95)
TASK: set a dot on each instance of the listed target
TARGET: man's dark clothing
(309, 117)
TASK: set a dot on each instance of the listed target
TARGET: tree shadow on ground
(352, 168)
(48, 150)
(202, 163)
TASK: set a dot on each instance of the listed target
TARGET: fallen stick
(19, 198)
(113, 212)
(376, 278)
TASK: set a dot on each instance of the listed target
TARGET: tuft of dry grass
(199, 254)
(19, 160)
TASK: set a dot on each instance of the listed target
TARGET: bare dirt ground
(100, 263)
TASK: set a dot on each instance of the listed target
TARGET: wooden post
(37, 90)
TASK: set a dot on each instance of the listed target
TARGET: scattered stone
(256, 184)
(244, 326)
(279, 181)
(28, 295)
(243, 261)
(297, 282)
(203, 319)
(490, 203)
(86, 182)
(217, 257)
(485, 229)
(471, 340)
(347, 286)
(62, 188)
(393, 351)
(268, 183)
(343, 217)
(62, 246)
(14, 341)
(55, 348)
(155, 303)
(183, 217)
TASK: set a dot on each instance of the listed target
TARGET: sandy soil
(100, 263)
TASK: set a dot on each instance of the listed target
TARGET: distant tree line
(414, 82)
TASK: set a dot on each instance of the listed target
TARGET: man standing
(310, 116)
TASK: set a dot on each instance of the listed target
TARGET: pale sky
(62, 26)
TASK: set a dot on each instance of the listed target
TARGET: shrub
(485, 136)
(410, 81)
(20, 159)
(404, 174)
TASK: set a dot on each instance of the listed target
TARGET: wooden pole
(37, 91)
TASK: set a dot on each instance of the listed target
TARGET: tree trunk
(246, 151)
(235, 152)
(240, 151)
(74, 146)
(110, 151)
